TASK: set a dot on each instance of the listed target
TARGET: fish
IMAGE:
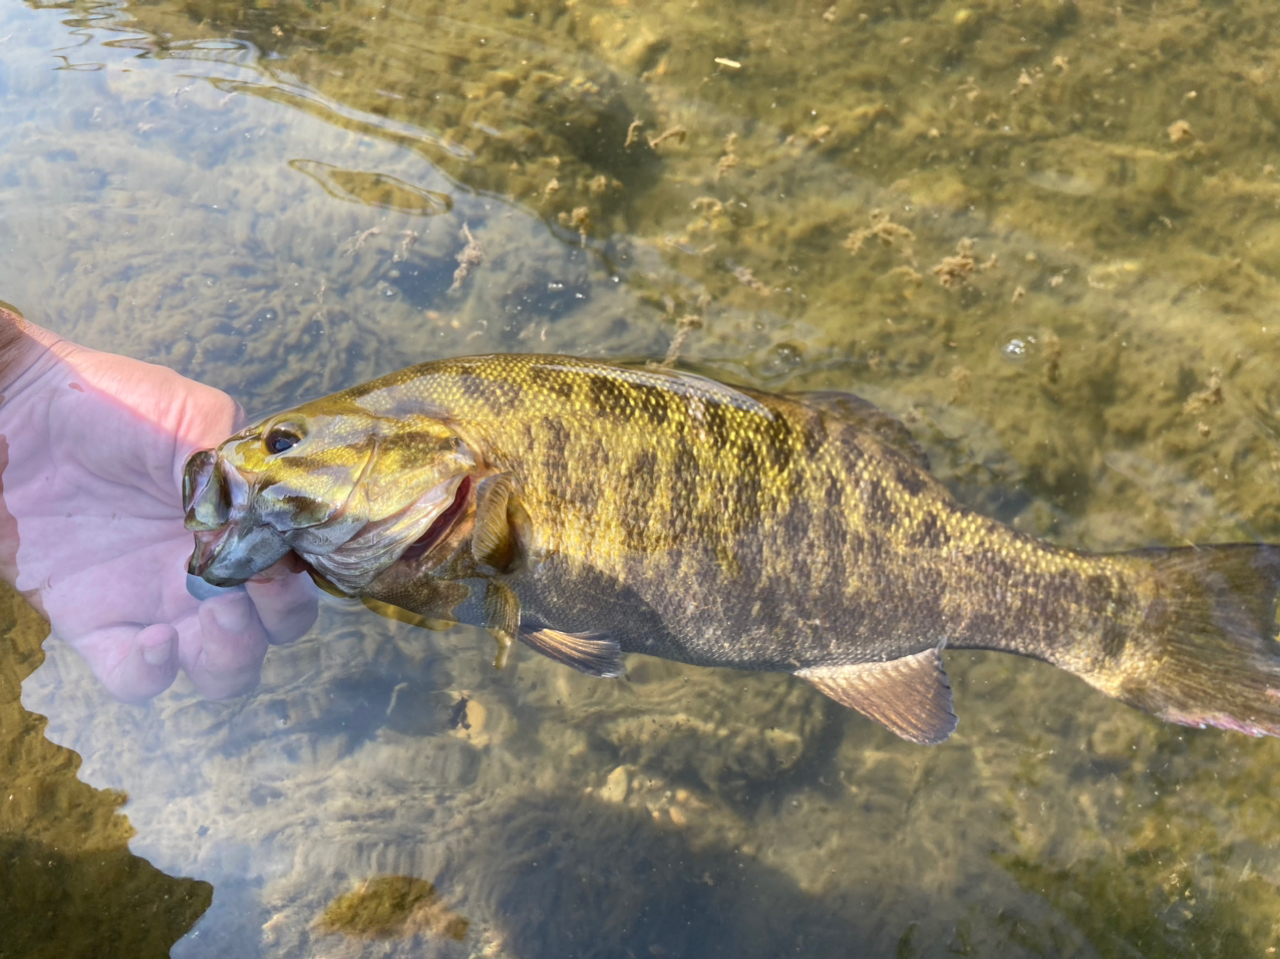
(591, 510)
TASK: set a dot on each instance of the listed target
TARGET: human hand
(92, 447)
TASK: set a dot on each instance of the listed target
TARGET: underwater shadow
(581, 877)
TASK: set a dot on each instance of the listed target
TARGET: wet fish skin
(601, 510)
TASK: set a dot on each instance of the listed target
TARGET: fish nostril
(205, 497)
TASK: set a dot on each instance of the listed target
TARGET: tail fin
(1208, 654)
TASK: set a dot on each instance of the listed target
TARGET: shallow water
(272, 199)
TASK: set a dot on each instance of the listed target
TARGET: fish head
(345, 489)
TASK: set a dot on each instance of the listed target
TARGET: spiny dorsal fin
(909, 696)
(868, 418)
(591, 653)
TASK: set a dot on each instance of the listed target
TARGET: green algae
(68, 883)
(389, 906)
(1101, 372)
(1040, 131)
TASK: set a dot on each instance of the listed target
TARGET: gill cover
(412, 475)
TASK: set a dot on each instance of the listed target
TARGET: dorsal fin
(908, 696)
(867, 417)
(592, 653)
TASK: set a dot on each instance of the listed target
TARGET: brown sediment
(391, 906)
(748, 279)
(729, 158)
(359, 240)
(684, 326)
(471, 255)
(883, 229)
(1211, 395)
(677, 133)
(955, 270)
(1052, 357)
(633, 132)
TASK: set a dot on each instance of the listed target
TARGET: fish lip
(235, 554)
(229, 548)
(208, 543)
(207, 554)
(206, 496)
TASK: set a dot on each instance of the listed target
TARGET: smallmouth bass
(590, 510)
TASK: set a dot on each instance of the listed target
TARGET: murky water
(1046, 235)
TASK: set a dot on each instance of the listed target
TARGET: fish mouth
(233, 554)
(208, 544)
(229, 550)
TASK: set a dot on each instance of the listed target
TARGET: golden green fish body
(594, 509)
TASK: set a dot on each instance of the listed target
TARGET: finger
(238, 418)
(286, 604)
(224, 655)
(133, 664)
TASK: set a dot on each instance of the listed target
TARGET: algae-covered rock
(387, 906)
(69, 885)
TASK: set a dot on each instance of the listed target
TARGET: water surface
(1047, 237)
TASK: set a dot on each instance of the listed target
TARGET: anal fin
(909, 696)
(590, 653)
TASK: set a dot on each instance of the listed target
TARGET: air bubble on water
(1017, 348)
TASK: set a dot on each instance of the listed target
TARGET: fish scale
(590, 510)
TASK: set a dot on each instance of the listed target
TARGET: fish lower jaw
(235, 554)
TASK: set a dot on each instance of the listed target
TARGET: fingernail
(233, 615)
(157, 655)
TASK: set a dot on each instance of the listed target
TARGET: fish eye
(281, 438)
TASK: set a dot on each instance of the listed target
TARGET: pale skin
(92, 447)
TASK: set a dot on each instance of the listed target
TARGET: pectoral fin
(501, 618)
(501, 525)
(593, 654)
(909, 696)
